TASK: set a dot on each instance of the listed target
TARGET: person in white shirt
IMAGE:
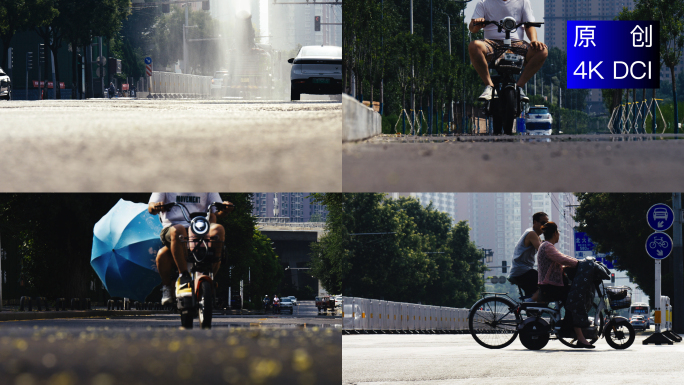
(482, 51)
(175, 228)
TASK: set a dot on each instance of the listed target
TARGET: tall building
(297, 207)
(497, 220)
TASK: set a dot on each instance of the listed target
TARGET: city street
(145, 145)
(381, 164)
(154, 349)
(458, 359)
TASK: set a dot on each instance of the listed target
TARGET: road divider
(358, 121)
(362, 315)
(169, 85)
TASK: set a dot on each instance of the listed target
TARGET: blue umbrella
(125, 245)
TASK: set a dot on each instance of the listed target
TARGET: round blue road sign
(148, 60)
(658, 245)
(660, 217)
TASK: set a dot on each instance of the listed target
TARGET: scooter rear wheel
(206, 301)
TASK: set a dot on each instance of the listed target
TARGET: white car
(5, 86)
(317, 69)
(293, 299)
(538, 121)
(217, 83)
(286, 305)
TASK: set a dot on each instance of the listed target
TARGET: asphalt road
(189, 145)
(155, 350)
(458, 359)
(380, 164)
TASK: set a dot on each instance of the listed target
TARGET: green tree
(48, 239)
(616, 223)
(398, 250)
(670, 14)
(167, 41)
(21, 15)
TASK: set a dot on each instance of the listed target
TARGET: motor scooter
(201, 258)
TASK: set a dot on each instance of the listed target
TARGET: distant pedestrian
(112, 89)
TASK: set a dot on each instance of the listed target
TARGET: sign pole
(659, 246)
(678, 255)
(656, 302)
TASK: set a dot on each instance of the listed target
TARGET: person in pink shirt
(553, 285)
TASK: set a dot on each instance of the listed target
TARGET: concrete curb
(35, 315)
(358, 121)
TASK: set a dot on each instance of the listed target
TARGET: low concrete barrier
(358, 121)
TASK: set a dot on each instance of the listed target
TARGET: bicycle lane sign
(658, 245)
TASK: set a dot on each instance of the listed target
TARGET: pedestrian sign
(660, 217)
(582, 242)
(659, 245)
(148, 60)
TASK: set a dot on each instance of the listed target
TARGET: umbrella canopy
(125, 245)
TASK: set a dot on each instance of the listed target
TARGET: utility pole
(432, 70)
(382, 43)
(677, 254)
(413, 85)
(185, 43)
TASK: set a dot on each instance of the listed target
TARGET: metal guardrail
(361, 315)
(169, 83)
(276, 222)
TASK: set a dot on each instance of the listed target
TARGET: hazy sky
(537, 8)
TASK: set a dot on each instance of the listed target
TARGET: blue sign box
(613, 54)
(582, 242)
(658, 245)
(148, 60)
(660, 217)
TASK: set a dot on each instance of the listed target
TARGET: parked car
(286, 305)
(317, 69)
(638, 322)
(538, 121)
(5, 85)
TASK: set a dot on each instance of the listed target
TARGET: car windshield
(538, 111)
(324, 51)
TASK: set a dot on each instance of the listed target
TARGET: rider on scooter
(175, 230)
(523, 273)
(482, 51)
(553, 284)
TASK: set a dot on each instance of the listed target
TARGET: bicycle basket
(620, 296)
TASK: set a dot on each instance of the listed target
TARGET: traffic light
(41, 53)
(166, 7)
(612, 277)
(504, 267)
(29, 61)
(205, 5)
(317, 23)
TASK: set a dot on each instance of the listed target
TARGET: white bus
(641, 309)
